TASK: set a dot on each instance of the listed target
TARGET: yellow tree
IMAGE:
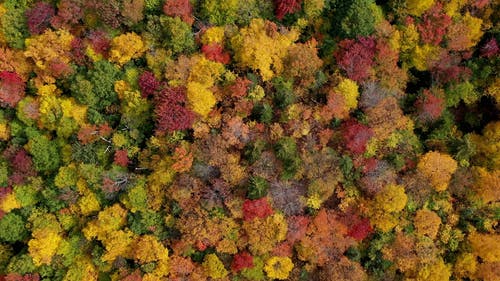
(126, 47)
(427, 223)
(386, 206)
(278, 267)
(50, 52)
(487, 184)
(46, 237)
(265, 233)
(148, 249)
(262, 48)
(437, 168)
(202, 77)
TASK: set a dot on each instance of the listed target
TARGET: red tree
(355, 57)
(490, 48)
(259, 208)
(297, 228)
(11, 88)
(284, 7)
(100, 41)
(239, 88)
(360, 230)
(241, 261)
(215, 52)
(78, 51)
(356, 136)
(69, 13)
(22, 167)
(179, 8)
(434, 24)
(121, 158)
(171, 112)
(38, 18)
(429, 106)
(148, 84)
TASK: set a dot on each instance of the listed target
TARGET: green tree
(286, 151)
(13, 23)
(13, 228)
(355, 18)
(46, 157)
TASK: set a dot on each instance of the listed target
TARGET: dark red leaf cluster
(356, 136)
(38, 18)
(356, 57)
(284, 7)
(148, 84)
(100, 41)
(490, 49)
(11, 88)
(241, 261)
(259, 208)
(215, 52)
(69, 12)
(78, 51)
(22, 167)
(360, 229)
(171, 112)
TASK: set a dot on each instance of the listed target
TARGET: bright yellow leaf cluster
(474, 25)
(118, 244)
(9, 203)
(202, 78)
(262, 48)
(417, 7)
(423, 55)
(214, 268)
(214, 34)
(44, 245)
(4, 131)
(348, 89)
(46, 49)
(109, 220)
(126, 47)
(264, 233)
(278, 267)
(465, 266)
(385, 208)
(201, 99)
(437, 271)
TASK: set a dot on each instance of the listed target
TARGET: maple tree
(11, 88)
(284, 7)
(38, 17)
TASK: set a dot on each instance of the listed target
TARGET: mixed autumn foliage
(249, 140)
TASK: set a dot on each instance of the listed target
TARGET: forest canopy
(249, 140)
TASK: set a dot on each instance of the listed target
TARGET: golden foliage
(438, 168)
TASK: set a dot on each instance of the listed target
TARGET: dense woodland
(249, 140)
